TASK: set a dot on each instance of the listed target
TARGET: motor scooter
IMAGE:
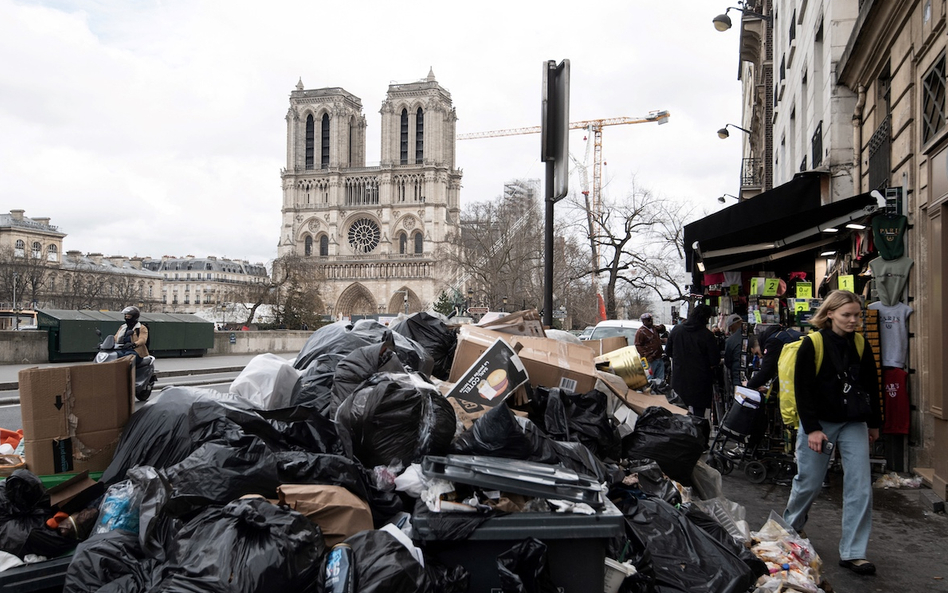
(145, 374)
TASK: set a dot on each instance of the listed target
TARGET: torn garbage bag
(712, 527)
(650, 479)
(359, 365)
(523, 568)
(434, 336)
(343, 338)
(316, 383)
(684, 557)
(24, 505)
(384, 565)
(674, 441)
(246, 545)
(396, 418)
(500, 433)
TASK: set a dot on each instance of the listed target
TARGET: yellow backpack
(787, 367)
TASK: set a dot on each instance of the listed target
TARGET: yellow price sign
(757, 316)
(804, 290)
(734, 290)
(770, 286)
(801, 305)
(757, 286)
(847, 283)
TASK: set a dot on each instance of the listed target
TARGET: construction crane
(594, 128)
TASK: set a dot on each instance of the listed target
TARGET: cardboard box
(600, 347)
(76, 493)
(73, 415)
(549, 362)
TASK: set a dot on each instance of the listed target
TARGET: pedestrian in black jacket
(695, 355)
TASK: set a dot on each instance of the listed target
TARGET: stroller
(745, 439)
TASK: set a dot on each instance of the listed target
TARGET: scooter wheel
(755, 472)
(145, 393)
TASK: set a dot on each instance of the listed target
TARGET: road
(10, 414)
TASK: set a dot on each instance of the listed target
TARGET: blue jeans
(657, 367)
(852, 442)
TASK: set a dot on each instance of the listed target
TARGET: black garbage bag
(157, 435)
(446, 579)
(685, 559)
(112, 561)
(384, 565)
(360, 365)
(434, 336)
(317, 381)
(396, 418)
(24, 505)
(342, 338)
(500, 433)
(580, 417)
(246, 545)
(291, 429)
(523, 568)
(653, 482)
(674, 441)
(713, 528)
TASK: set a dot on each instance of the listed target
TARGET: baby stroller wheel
(725, 466)
(756, 472)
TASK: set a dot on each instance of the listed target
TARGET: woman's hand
(815, 440)
(873, 435)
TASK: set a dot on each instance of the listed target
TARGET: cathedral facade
(375, 232)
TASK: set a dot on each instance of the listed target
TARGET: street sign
(559, 314)
(477, 310)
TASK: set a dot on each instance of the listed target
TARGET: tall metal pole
(16, 314)
(548, 250)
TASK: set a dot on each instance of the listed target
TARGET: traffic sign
(477, 310)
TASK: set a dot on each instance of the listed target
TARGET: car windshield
(601, 333)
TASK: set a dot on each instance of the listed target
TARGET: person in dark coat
(695, 355)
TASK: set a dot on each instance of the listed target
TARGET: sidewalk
(908, 542)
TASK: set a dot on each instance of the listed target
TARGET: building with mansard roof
(374, 231)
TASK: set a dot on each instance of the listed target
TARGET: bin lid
(513, 475)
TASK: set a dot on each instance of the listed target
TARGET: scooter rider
(133, 335)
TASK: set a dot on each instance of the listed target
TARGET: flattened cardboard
(638, 401)
(493, 377)
(75, 493)
(600, 347)
(473, 341)
(552, 363)
(521, 323)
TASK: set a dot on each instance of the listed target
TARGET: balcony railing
(752, 172)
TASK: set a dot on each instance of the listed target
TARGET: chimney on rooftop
(17, 214)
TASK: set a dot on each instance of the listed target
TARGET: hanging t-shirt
(896, 401)
(893, 327)
(889, 278)
(889, 233)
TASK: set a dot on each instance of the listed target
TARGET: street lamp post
(470, 296)
(505, 304)
(404, 292)
(16, 313)
(223, 314)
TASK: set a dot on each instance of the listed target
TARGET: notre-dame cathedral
(376, 231)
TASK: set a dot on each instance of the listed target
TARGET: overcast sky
(157, 127)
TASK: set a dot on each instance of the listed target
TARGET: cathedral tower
(375, 231)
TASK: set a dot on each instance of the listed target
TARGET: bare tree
(28, 270)
(294, 292)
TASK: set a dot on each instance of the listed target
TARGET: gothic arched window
(310, 140)
(402, 243)
(308, 246)
(419, 244)
(403, 139)
(324, 156)
(324, 246)
(419, 136)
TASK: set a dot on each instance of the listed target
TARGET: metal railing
(752, 172)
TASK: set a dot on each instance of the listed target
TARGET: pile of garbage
(354, 468)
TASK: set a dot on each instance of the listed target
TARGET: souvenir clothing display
(888, 231)
(895, 396)
(890, 277)
(893, 326)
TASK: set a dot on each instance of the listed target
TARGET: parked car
(612, 328)
(584, 335)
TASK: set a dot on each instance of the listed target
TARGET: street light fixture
(470, 297)
(723, 134)
(329, 308)
(16, 312)
(505, 305)
(722, 22)
(721, 199)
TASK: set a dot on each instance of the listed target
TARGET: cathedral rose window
(364, 235)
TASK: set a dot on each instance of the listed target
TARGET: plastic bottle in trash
(340, 570)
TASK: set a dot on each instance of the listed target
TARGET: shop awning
(781, 222)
